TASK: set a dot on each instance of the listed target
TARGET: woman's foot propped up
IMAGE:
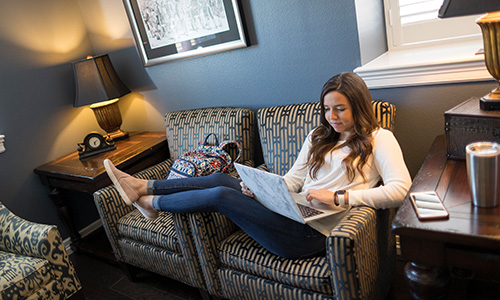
(129, 188)
(122, 182)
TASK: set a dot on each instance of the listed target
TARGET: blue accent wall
(295, 46)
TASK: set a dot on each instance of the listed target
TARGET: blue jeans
(222, 193)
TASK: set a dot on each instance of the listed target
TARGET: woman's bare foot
(129, 187)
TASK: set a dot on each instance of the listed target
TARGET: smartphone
(428, 206)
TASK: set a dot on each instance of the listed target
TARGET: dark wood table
(139, 151)
(445, 256)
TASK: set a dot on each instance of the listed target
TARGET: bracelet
(335, 199)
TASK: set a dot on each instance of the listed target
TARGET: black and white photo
(166, 30)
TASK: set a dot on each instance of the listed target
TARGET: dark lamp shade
(96, 80)
(458, 8)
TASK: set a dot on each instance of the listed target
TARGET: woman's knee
(218, 177)
(222, 179)
(223, 192)
(226, 199)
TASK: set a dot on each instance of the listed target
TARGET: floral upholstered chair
(360, 257)
(166, 246)
(33, 261)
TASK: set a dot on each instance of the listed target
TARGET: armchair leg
(204, 295)
(78, 296)
(130, 271)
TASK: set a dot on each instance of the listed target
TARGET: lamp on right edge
(490, 27)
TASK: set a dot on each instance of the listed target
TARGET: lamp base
(490, 101)
(109, 118)
(118, 135)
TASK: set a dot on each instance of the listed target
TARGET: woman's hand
(246, 191)
(322, 195)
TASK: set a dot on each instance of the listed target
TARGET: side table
(139, 151)
(446, 255)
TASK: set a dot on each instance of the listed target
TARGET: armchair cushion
(241, 252)
(243, 286)
(21, 275)
(159, 233)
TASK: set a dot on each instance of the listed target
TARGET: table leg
(61, 204)
(427, 282)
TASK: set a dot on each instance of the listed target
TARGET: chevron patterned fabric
(240, 252)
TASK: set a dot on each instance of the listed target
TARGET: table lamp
(490, 27)
(98, 85)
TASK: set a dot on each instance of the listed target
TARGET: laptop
(272, 192)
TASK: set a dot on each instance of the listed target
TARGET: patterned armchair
(33, 261)
(360, 258)
(165, 245)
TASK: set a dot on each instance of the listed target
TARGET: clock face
(94, 142)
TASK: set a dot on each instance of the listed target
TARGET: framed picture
(167, 30)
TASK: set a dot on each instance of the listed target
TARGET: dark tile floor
(105, 280)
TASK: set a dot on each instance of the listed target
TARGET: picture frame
(167, 30)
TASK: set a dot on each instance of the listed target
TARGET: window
(415, 22)
(423, 49)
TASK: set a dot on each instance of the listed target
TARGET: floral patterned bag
(205, 160)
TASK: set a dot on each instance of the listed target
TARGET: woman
(341, 162)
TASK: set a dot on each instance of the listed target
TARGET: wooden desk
(139, 151)
(465, 247)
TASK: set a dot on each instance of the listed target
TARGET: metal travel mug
(483, 172)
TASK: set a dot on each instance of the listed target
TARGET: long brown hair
(325, 138)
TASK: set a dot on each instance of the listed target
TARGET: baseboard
(96, 225)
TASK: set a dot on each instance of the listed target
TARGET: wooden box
(467, 123)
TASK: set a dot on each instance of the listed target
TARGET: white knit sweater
(386, 163)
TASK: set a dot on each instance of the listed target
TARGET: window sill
(450, 63)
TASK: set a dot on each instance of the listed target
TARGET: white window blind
(411, 23)
(413, 11)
